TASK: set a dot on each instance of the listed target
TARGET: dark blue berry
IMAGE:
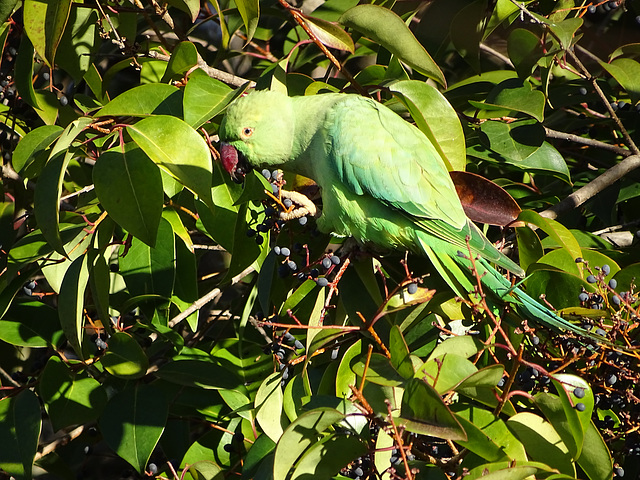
(579, 392)
(64, 101)
(326, 262)
(601, 332)
(314, 273)
(606, 269)
(275, 189)
(619, 471)
(251, 232)
(335, 259)
(276, 250)
(31, 285)
(287, 203)
(322, 282)
(591, 279)
(581, 407)
(583, 297)
(334, 353)
(303, 221)
(259, 240)
(582, 91)
(153, 468)
(228, 448)
(613, 283)
(535, 340)
(293, 266)
(284, 251)
(266, 174)
(611, 379)
(298, 345)
(616, 300)
(412, 289)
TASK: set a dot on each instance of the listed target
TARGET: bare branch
(202, 301)
(221, 75)
(570, 137)
(594, 187)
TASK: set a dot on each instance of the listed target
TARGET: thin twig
(503, 58)
(570, 137)
(221, 75)
(594, 187)
(202, 301)
(299, 18)
(64, 440)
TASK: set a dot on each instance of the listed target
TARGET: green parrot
(382, 182)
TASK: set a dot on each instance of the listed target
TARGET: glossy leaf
(328, 456)
(183, 58)
(47, 200)
(596, 459)
(20, 420)
(525, 49)
(436, 118)
(133, 421)
(329, 34)
(33, 144)
(541, 441)
(299, 436)
(129, 187)
(198, 373)
(143, 100)
(44, 22)
(71, 302)
(386, 28)
(555, 230)
(70, 398)
(250, 13)
(124, 357)
(268, 405)
(626, 72)
(518, 96)
(31, 324)
(178, 149)
(204, 98)
(424, 412)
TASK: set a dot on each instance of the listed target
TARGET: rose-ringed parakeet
(382, 182)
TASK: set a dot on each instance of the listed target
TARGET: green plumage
(382, 181)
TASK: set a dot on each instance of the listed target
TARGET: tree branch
(570, 137)
(221, 75)
(594, 187)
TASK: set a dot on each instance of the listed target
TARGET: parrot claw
(306, 206)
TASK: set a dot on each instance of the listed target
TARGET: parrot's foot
(304, 206)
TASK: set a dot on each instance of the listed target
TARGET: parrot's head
(257, 130)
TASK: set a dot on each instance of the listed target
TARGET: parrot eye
(247, 132)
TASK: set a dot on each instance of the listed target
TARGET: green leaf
(463, 346)
(387, 29)
(329, 34)
(627, 73)
(24, 72)
(70, 398)
(525, 49)
(198, 373)
(400, 356)
(596, 459)
(20, 421)
(183, 58)
(488, 435)
(6, 9)
(268, 405)
(129, 187)
(31, 324)
(380, 371)
(192, 7)
(178, 149)
(133, 421)
(204, 98)
(79, 43)
(436, 118)
(44, 22)
(71, 302)
(124, 357)
(32, 144)
(326, 457)
(250, 13)
(144, 100)
(205, 470)
(299, 436)
(516, 140)
(466, 31)
(46, 201)
(424, 412)
(560, 234)
(566, 30)
(518, 96)
(445, 372)
(541, 441)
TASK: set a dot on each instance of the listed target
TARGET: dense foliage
(157, 319)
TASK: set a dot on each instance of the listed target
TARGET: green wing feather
(391, 160)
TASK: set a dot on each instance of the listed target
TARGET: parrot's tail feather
(525, 306)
